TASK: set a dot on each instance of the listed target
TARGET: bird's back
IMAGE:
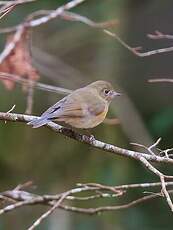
(83, 108)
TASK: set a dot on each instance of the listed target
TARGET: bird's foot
(91, 137)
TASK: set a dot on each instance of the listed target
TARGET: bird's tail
(38, 122)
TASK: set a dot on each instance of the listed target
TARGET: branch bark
(14, 117)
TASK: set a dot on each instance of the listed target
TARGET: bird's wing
(50, 112)
(69, 106)
(76, 105)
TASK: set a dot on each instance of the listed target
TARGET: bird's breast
(89, 120)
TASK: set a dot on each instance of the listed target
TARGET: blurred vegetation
(70, 54)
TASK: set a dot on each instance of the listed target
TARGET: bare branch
(9, 47)
(162, 179)
(157, 172)
(46, 214)
(54, 14)
(134, 50)
(16, 2)
(47, 15)
(159, 35)
(161, 80)
(12, 108)
(137, 50)
(165, 192)
(23, 198)
(37, 85)
(111, 121)
(6, 10)
(149, 148)
(8, 6)
(29, 101)
(167, 152)
(86, 139)
(59, 12)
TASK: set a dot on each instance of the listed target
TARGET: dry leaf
(19, 62)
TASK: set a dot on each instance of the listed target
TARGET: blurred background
(70, 55)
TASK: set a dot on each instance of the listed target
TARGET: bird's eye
(106, 91)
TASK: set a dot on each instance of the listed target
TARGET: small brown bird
(84, 108)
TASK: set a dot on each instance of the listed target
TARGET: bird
(84, 108)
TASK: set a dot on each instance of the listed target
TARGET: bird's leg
(70, 131)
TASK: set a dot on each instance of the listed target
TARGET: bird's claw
(91, 137)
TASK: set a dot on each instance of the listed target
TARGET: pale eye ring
(106, 91)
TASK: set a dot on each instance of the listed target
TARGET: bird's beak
(114, 94)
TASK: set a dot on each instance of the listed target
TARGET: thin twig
(148, 148)
(159, 35)
(165, 192)
(162, 179)
(54, 14)
(166, 152)
(5, 11)
(12, 108)
(30, 95)
(161, 80)
(46, 214)
(37, 85)
(137, 50)
(15, 2)
(9, 47)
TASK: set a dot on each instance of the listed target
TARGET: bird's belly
(87, 122)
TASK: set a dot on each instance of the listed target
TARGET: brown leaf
(19, 62)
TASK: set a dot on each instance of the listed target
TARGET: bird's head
(105, 90)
